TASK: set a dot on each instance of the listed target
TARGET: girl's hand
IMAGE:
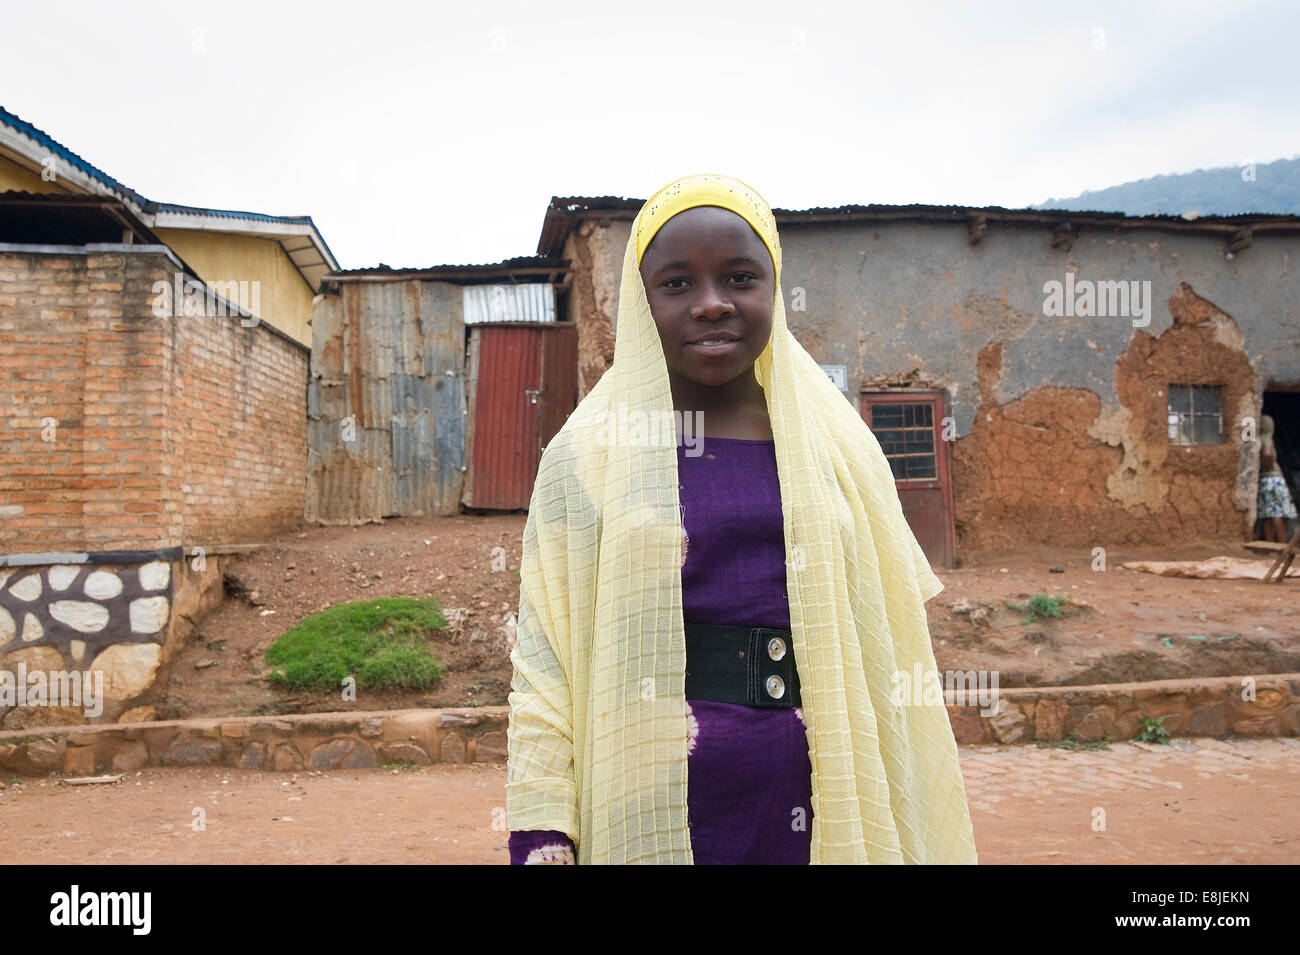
(545, 847)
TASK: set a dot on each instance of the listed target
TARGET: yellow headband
(706, 189)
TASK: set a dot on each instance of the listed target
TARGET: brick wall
(123, 430)
(239, 426)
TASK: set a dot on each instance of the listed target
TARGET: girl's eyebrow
(734, 260)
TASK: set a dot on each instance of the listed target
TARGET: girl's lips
(716, 348)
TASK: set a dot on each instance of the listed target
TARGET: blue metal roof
(147, 205)
(68, 156)
(226, 213)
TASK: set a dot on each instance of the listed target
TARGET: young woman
(709, 644)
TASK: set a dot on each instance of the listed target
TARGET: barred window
(906, 435)
(1195, 414)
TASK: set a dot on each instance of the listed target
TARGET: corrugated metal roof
(228, 213)
(564, 212)
(532, 302)
(539, 268)
(55, 147)
(149, 208)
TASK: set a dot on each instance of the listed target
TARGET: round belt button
(776, 648)
(775, 687)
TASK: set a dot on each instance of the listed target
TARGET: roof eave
(31, 148)
(522, 269)
(564, 213)
(32, 155)
(297, 235)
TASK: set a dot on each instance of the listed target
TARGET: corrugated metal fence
(386, 402)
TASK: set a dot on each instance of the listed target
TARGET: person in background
(1274, 507)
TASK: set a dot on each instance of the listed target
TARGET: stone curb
(310, 741)
(322, 741)
(1211, 706)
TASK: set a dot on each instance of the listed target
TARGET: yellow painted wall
(15, 178)
(222, 257)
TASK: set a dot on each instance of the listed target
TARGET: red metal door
(908, 426)
(526, 387)
(559, 382)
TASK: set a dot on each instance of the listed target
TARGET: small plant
(1153, 731)
(400, 766)
(1073, 743)
(1040, 607)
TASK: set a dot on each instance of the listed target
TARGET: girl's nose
(712, 303)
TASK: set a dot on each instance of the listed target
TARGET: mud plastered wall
(595, 247)
(1059, 423)
(1054, 466)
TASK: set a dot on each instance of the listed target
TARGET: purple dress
(749, 779)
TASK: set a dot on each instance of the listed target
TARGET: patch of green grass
(400, 766)
(1040, 607)
(383, 643)
(1153, 731)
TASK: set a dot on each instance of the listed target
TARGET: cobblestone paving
(1194, 800)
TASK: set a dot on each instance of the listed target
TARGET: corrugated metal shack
(396, 396)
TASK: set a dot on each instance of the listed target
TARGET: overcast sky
(430, 133)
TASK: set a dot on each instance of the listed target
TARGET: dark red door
(526, 388)
(909, 426)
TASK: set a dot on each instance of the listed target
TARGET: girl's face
(707, 276)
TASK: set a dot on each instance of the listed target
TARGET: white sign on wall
(838, 375)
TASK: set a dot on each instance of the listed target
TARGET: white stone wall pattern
(155, 575)
(61, 576)
(27, 588)
(149, 614)
(81, 615)
(102, 585)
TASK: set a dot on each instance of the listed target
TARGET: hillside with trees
(1275, 187)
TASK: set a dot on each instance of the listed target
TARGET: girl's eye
(670, 282)
(744, 276)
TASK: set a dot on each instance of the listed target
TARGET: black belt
(751, 666)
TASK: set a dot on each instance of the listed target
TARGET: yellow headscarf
(598, 728)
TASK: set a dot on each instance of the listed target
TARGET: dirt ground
(1132, 626)
(1127, 626)
(1198, 801)
(270, 590)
